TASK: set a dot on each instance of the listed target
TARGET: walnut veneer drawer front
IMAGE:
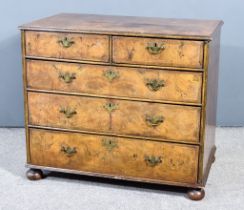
(175, 86)
(159, 52)
(67, 46)
(114, 156)
(180, 123)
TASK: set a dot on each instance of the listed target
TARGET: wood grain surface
(127, 82)
(127, 25)
(125, 157)
(180, 123)
(84, 47)
(176, 53)
(211, 103)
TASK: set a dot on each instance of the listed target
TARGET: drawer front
(67, 46)
(114, 156)
(175, 122)
(158, 52)
(115, 81)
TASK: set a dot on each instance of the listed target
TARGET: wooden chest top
(124, 25)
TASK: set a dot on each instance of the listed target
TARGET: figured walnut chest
(121, 97)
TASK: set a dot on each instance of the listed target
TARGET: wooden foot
(213, 160)
(196, 194)
(34, 174)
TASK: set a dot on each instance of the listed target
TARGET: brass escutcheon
(111, 75)
(110, 107)
(109, 144)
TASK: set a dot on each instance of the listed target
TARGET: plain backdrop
(231, 80)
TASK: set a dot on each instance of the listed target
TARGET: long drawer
(158, 52)
(174, 122)
(115, 156)
(177, 86)
(67, 46)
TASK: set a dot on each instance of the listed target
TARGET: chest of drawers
(127, 98)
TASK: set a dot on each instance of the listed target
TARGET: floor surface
(224, 190)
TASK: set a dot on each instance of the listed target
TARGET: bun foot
(196, 194)
(34, 174)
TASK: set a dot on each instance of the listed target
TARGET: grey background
(231, 82)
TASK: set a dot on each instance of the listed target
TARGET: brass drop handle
(111, 75)
(67, 77)
(68, 112)
(110, 107)
(155, 48)
(153, 160)
(154, 121)
(66, 42)
(69, 151)
(154, 84)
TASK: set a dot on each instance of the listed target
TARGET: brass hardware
(153, 160)
(155, 84)
(69, 151)
(68, 112)
(111, 75)
(155, 48)
(66, 42)
(67, 77)
(110, 107)
(154, 120)
(109, 144)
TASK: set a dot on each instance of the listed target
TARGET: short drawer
(158, 52)
(174, 122)
(137, 83)
(114, 156)
(67, 46)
